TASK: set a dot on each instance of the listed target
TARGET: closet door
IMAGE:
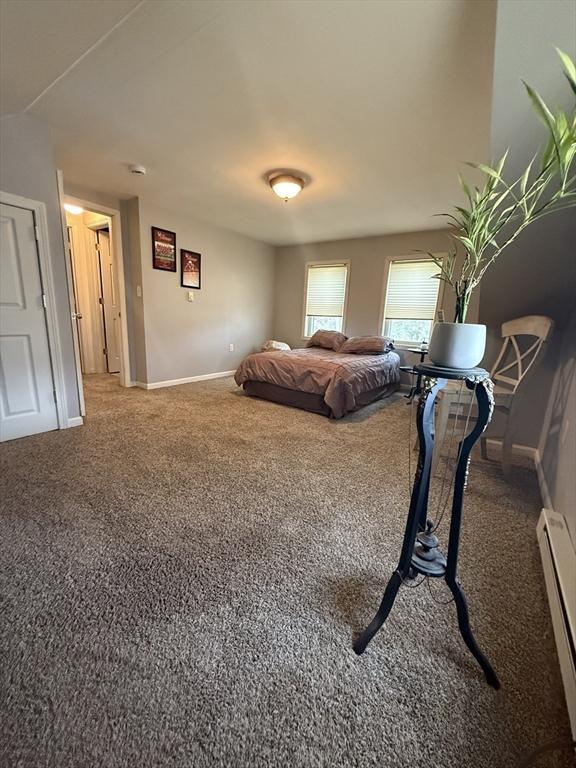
(27, 400)
(109, 302)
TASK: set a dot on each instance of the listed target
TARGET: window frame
(439, 300)
(325, 263)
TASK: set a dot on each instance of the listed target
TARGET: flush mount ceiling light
(75, 210)
(287, 184)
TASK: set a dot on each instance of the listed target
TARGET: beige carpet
(182, 577)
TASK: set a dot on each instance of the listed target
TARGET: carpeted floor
(182, 577)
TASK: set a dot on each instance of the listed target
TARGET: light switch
(190, 295)
(139, 291)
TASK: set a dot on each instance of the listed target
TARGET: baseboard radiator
(559, 563)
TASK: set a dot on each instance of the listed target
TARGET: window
(325, 297)
(411, 300)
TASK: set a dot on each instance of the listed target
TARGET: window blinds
(412, 294)
(326, 289)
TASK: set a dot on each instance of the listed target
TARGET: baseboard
(187, 380)
(559, 565)
(544, 490)
(76, 421)
(534, 454)
(519, 450)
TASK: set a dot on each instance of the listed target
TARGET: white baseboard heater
(559, 562)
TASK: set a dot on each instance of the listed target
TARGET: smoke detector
(138, 170)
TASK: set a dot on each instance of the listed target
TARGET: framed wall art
(190, 268)
(163, 249)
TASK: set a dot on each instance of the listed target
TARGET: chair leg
(484, 448)
(443, 408)
(507, 443)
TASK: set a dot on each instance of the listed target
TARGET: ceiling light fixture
(75, 210)
(287, 184)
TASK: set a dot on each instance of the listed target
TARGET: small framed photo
(163, 249)
(190, 269)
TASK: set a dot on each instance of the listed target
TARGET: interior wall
(27, 168)
(542, 259)
(537, 274)
(367, 258)
(96, 220)
(131, 248)
(233, 306)
(95, 196)
(557, 446)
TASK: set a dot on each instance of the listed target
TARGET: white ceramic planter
(457, 345)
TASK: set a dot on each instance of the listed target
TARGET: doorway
(95, 267)
(94, 283)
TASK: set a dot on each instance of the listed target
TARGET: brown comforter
(338, 377)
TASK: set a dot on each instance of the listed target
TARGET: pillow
(274, 346)
(327, 340)
(367, 345)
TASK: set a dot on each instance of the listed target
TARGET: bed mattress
(340, 382)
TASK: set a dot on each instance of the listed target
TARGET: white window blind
(411, 299)
(325, 297)
(412, 292)
(326, 290)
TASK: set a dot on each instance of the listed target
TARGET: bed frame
(307, 401)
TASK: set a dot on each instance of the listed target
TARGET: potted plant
(493, 217)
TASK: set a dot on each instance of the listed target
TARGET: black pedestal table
(420, 553)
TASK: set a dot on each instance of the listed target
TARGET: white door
(75, 306)
(87, 287)
(27, 402)
(109, 302)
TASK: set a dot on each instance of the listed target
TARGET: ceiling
(378, 101)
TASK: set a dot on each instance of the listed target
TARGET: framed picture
(190, 268)
(163, 249)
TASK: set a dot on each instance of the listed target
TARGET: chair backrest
(512, 364)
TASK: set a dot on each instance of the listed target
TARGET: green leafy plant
(497, 212)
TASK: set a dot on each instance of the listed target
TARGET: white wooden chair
(509, 370)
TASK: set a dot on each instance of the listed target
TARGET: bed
(323, 381)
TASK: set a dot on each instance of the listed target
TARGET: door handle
(76, 315)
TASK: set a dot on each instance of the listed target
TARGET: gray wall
(132, 252)
(558, 440)
(234, 305)
(537, 275)
(27, 168)
(367, 258)
(170, 338)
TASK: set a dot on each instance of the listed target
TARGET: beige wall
(234, 305)
(367, 258)
(91, 195)
(27, 168)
